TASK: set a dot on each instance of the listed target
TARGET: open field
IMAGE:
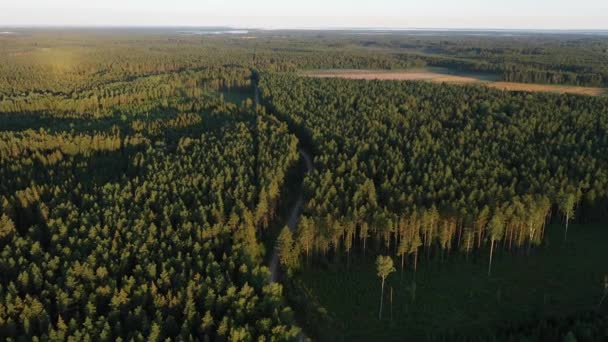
(439, 75)
(557, 279)
(513, 86)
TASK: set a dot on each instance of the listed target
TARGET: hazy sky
(525, 14)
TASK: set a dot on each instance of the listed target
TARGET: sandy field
(438, 77)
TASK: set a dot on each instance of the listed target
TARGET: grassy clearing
(557, 279)
(440, 75)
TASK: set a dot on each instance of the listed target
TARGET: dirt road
(292, 221)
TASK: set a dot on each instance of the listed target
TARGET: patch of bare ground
(511, 86)
(440, 77)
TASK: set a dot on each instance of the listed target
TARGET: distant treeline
(525, 73)
(40, 64)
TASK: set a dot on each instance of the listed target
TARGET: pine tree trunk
(396, 244)
(348, 259)
(459, 234)
(402, 264)
(391, 303)
(566, 232)
(491, 252)
(424, 238)
(381, 296)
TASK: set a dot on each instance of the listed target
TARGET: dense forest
(432, 169)
(142, 182)
(423, 172)
(136, 214)
(64, 62)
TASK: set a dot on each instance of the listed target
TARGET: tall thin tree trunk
(391, 303)
(530, 237)
(459, 234)
(381, 296)
(566, 232)
(542, 231)
(348, 259)
(424, 238)
(491, 253)
(396, 244)
(402, 263)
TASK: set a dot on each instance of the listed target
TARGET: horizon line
(305, 28)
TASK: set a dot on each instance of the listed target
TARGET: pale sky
(499, 14)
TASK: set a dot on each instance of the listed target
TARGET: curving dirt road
(294, 213)
(292, 221)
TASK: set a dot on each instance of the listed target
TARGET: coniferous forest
(164, 185)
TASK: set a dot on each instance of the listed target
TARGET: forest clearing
(557, 279)
(439, 75)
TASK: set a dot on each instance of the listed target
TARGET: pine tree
(566, 203)
(384, 267)
(287, 249)
(496, 230)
